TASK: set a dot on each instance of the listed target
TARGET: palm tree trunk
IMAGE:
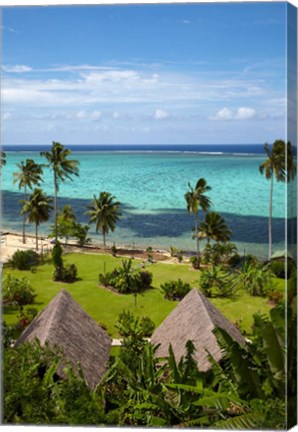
(270, 219)
(55, 205)
(36, 235)
(24, 216)
(104, 239)
(197, 240)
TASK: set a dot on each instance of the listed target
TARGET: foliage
(255, 279)
(23, 260)
(57, 254)
(38, 209)
(276, 296)
(194, 262)
(114, 250)
(219, 253)
(196, 199)
(66, 223)
(126, 279)
(214, 228)
(104, 211)
(29, 175)
(62, 273)
(80, 232)
(70, 273)
(3, 159)
(63, 168)
(282, 269)
(133, 331)
(17, 291)
(33, 393)
(175, 290)
(217, 282)
(24, 319)
(149, 252)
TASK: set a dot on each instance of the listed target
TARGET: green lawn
(104, 306)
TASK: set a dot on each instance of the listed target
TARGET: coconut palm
(38, 209)
(279, 165)
(196, 199)
(29, 175)
(214, 228)
(63, 168)
(104, 212)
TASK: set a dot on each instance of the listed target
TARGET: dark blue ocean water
(200, 148)
(150, 182)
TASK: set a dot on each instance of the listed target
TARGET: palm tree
(29, 175)
(279, 165)
(214, 228)
(104, 211)
(38, 209)
(63, 169)
(195, 199)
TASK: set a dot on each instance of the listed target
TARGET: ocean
(150, 182)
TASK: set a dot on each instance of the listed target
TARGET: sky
(144, 74)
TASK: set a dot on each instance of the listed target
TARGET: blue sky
(164, 74)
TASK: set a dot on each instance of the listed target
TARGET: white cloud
(242, 113)
(160, 114)
(17, 68)
(223, 114)
(87, 115)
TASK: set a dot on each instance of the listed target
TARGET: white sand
(12, 242)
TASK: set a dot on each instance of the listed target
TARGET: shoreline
(11, 241)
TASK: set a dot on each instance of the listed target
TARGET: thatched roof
(63, 323)
(193, 319)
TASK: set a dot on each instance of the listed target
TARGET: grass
(104, 306)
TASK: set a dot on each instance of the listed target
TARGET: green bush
(194, 262)
(24, 260)
(70, 273)
(279, 268)
(126, 279)
(17, 291)
(175, 290)
(57, 255)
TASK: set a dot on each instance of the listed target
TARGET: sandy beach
(11, 242)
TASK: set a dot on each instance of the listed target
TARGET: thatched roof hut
(193, 319)
(63, 323)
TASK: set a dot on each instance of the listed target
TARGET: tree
(38, 209)
(279, 165)
(63, 168)
(196, 199)
(29, 175)
(104, 212)
(214, 228)
(66, 222)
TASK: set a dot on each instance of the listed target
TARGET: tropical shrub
(70, 273)
(114, 250)
(175, 290)
(217, 282)
(194, 262)
(17, 291)
(126, 279)
(63, 274)
(80, 232)
(24, 260)
(57, 255)
(149, 251)
(276, 296)
(255, 279)
(281, 270)
(25, 318)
